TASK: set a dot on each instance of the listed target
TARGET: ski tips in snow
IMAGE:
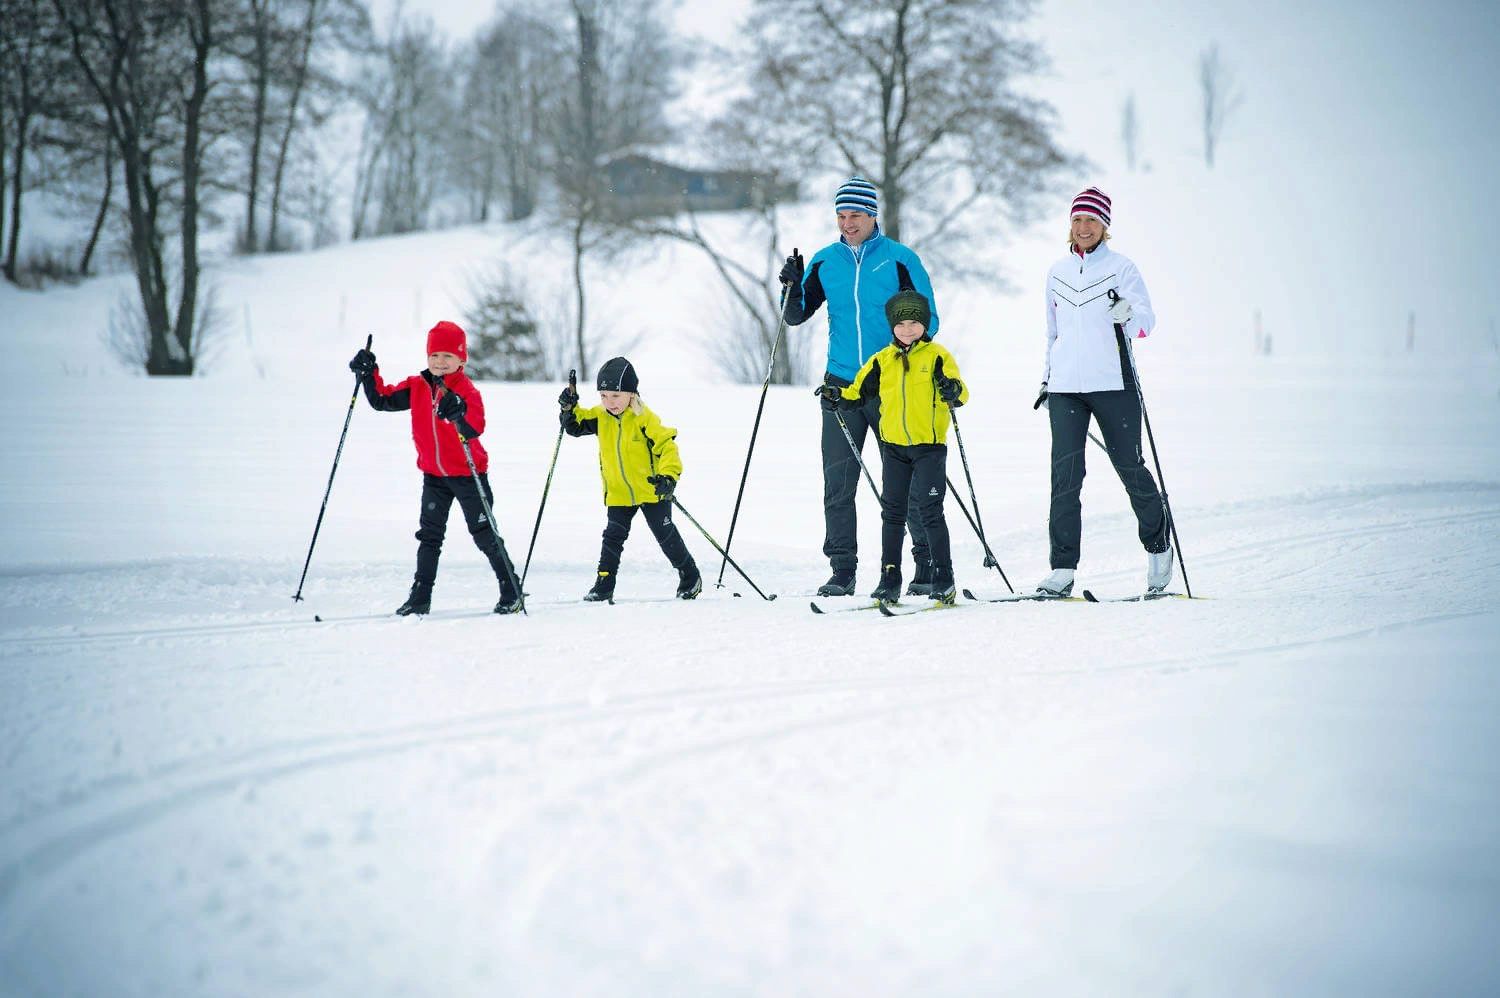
(1144, 597)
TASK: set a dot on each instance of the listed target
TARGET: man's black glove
(831, 397)
(1041, 398)
(665, 486)
(791, 271)
(451, 407)
(568, 399)
(363, 364)
(950, 390)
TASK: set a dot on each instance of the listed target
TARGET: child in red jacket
(444, 404)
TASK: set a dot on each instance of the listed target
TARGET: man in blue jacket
(856, 276)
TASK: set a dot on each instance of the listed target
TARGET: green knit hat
(908, 304)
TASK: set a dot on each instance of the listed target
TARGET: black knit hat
(617, 375)
(908, 304)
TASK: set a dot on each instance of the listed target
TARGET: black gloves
(665, 486)
(1041, 398)
(831, 397)
(451, 407)
(950, 390)
(568, 399)
(363, 364)
(791, 271)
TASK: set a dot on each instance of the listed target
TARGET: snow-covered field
(1290, 787)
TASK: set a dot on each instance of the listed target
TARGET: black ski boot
(943, 587)
(510, 602)
(921, 581)
(418, 601)
(841, 584)
(604, 589)
(889, 590)
(689, 581)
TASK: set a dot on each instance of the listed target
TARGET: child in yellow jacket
(916, 380)
(639, 462)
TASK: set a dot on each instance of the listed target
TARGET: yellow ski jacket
(905, 381)
(632, 447)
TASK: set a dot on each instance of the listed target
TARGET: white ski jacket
(1082, 355)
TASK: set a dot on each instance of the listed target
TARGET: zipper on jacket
(859, 328)
(437, 447)
(905, 426)
(620, 456)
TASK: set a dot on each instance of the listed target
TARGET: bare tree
(277, 44)
(620, 67)
(33, 64)
(148, 66)
(409, 114)
(1221, 97)
(1130, 131)
(506, 100)
(922, 98)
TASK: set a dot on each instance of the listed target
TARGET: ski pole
(855, 450)
(1166, 506)
(484, 504)
(990, 560)
(708, 537)
(754, 430)
(573, 384)
(353, 400)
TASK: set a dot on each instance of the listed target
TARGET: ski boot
(510, 600)
(604, 589)
(921, 581)
(689, 581)
(889, 589)
(1158, 570)
(943, 587)
(1059, 583)
(418, 601)
(841, 584)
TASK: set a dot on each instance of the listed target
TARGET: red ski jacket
(438, 449)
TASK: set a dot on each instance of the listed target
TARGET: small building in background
(643, 185)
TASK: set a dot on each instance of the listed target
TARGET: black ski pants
(1118, 414)
(659, 518)
(914, 477)
(841, 477)
(438, 493)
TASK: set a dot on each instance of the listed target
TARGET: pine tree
(504, 343)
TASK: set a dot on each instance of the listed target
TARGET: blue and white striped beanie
(857, 194)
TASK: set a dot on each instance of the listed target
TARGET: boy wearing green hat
(916, 381)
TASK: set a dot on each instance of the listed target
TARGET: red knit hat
(1092, 202)
(448, 337)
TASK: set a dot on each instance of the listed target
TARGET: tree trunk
(578, 226)
(3, 146)
(103, 212)
(201, 29)
(309, 29)
(262, 71)
(18, 175)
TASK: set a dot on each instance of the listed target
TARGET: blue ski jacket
(856, 282)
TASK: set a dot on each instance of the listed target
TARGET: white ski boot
(1158, 570)
(1059, 583)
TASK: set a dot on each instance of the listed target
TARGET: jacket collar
(875, 237)
(1094, 255)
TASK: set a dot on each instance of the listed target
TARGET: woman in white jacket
(1096, 300)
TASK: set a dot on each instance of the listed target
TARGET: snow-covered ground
(1291, 786)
